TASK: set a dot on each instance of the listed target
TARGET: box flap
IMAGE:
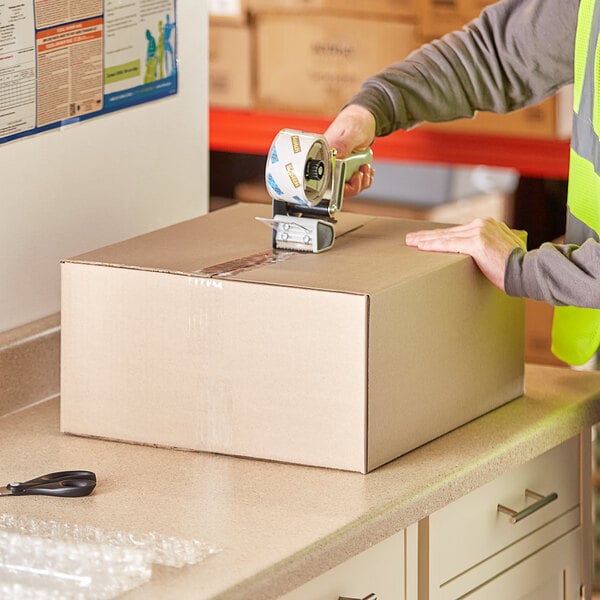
(366, 260)
(191, 246)
(369, 253)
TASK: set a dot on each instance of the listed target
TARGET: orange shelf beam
(252, 132)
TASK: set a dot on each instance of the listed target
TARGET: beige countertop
(280, 525)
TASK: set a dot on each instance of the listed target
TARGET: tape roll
(298, 167)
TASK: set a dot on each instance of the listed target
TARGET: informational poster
(62, 61)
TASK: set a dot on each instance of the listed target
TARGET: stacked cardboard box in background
(437, 17)
(226, 11)
(397, 9)
(311, 56)
(316, 64)
(303, 55)
(230, 56)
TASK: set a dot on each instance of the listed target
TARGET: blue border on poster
(115, 101)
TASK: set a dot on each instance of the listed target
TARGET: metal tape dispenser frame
(306, 183)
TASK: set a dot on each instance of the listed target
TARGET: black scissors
(62, 483)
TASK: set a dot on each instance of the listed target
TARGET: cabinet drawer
(553, 573)
(379, 570)
(471, 530)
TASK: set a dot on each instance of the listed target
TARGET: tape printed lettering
(293, 178)
(296, 144)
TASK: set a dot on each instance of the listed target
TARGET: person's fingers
(426, 235)
(353, 128)
(342, 144)
(342, 137)
(459, 242)
(471, 225)
(368, 174)
(483, 228)
(354, 185)
(361, 180)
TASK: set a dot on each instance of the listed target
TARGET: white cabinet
(470, 549)
(552, 573)
(387, 569)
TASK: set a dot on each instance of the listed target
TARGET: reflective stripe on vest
(576, 331)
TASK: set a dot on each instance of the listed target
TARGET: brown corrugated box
(238, 11)
(317, 64)
(228, 12)
(373, 8)
(551, 119)
(230, 67)
(197, 336)
(437, 17)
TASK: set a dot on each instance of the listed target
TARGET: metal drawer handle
(541, 501)
(369, 597)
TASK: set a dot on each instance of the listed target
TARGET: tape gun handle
(355, 161)
(344, 168)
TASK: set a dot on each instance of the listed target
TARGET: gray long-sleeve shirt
(517, 53)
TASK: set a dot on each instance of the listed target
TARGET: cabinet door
(379, 570)
(550, 574)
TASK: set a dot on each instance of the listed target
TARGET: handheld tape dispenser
(306, 183)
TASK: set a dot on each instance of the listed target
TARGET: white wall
(71, 190)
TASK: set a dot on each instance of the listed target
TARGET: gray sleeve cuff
(390, 115)
(560, 274)
(513, 273)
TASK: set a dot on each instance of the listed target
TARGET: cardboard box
(230, 66)
(316, 65)
(374, 8)
(228, 12)
(198, 336)
(550, 119)
(438, 17)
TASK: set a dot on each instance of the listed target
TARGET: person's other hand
(353, 129)
(488, 241)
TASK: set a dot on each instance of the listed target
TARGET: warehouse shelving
(251, 132)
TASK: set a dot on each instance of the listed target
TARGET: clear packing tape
(47, 560)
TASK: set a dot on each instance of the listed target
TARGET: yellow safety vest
(576, 331)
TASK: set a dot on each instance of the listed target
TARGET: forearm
(516, 53)
(562, 275)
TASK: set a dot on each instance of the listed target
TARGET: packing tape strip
(245, 263)
(285, 172)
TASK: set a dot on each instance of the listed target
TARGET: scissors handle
(61, 483)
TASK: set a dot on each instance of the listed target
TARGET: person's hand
(353, 129)
(488, 241)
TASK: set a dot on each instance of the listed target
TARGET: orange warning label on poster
(70, 78)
